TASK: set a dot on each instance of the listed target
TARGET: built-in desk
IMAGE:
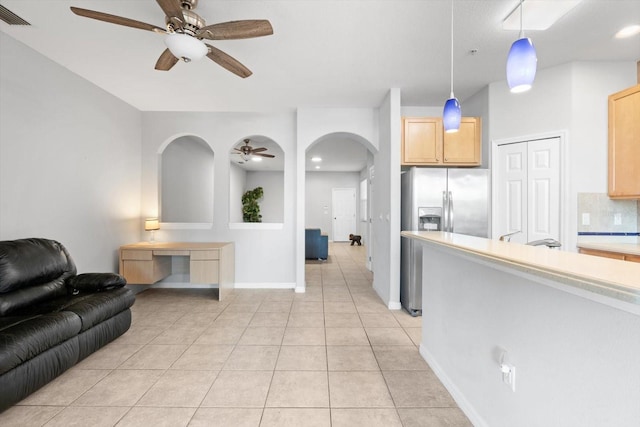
(209, 263)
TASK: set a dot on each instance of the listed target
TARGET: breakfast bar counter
(600, 276)
(567, 323)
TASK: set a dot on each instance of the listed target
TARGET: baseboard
(458, 396)
(242, 285)
(266, 285)
(301, 289)
(183, 285)
(394, 305)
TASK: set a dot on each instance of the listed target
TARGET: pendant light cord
(452, 48)
(521, 13)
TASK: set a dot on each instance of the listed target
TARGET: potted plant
(250, 206)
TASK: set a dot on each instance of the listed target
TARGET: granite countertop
(609, 277)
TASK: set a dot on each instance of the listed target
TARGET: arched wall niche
(186, 182)
(247, 172)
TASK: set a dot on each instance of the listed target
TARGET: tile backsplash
(604, 214)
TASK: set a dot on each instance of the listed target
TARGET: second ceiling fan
(184, 31)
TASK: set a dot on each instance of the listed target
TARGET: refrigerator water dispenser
(429, 219)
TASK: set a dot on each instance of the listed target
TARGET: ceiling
(324, 53)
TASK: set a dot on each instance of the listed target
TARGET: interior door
(528, 190)
(543, 182)
(512, 191)
(343, 201)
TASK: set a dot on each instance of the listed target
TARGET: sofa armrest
(95, 282)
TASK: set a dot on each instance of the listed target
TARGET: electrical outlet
(586, 218)
(509, 375)
(617, 219)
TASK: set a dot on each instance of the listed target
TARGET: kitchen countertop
(623, 248)
(608, 277)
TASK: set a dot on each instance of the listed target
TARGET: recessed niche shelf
(256, 226)
(186, 225)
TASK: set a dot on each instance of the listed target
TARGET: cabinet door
(463, 147)
(204, 271)
(624, 150)
(421, 140)
(603, 254)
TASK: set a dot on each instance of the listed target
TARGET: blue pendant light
(452, 113)
(521, 62)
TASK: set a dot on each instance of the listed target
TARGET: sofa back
(31, 271)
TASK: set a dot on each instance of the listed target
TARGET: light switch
(586, 218)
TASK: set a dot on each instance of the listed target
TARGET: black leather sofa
(51, 318)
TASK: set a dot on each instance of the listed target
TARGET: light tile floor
(333, 356)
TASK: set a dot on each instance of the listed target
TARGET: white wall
(592, 83)
(237, 184)
(187, 181)
(318, 204)
(272, 203)
(69, 160)
(272, 251)
(576, 360)
(386, 203)
(571, 98)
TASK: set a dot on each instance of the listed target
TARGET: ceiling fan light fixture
(185, 47)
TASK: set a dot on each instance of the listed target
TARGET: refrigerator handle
(451, 212)
(445, 212)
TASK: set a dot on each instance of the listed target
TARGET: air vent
(11, 18)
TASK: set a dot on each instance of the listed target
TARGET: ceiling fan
(246, 151)
(184, 31)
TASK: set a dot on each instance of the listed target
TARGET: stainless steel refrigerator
(454, 200)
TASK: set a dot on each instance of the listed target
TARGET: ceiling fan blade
(231, 30)
(113, 19)
(237, 149)
(166, 61)
(263, 155)
(228, 62)
(172, 9)
(257, 150)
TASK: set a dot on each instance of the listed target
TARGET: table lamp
(151, 224)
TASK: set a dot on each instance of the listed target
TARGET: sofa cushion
(95, 308)
(31, 271)
(96, 282)
(28, 262)
(23, 338)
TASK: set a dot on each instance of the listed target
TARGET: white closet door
(543, 211)
(512, 191)
(528, 190)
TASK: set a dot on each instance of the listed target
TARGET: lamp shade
(183, 46)
(451, 115)
(151, 224)
(521, 65)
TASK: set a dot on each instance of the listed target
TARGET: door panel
(343, 202)
(512, 191)
(528, 187)
(544, 184)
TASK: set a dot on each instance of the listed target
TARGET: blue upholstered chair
(316, 245)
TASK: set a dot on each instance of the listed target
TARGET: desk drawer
(170, 252)
(137, 255)
(203, 255)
